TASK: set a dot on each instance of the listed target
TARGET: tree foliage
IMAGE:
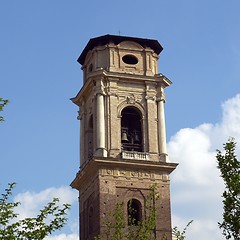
(144, 229)
(117, 229)
(51, 218)
(180, 235)
(230, 172)
(3, 102)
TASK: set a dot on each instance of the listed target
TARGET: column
(162, 143)
(82, 122)
(100, 123)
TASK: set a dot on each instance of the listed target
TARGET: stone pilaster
(152, 119)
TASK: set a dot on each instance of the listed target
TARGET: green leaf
(229, 167)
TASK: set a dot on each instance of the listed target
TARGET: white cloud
(199, 228)
(196, 185)
(32, 202)
(63, 237)
(191, 147)
(231, 117)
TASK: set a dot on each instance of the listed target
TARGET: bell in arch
(124, 135)
(136, 137)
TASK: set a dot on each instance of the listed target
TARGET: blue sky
(39, 45)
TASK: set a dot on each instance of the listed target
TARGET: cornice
(96, 164)
(158, 79)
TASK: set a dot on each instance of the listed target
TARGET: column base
(164, 157)
(100, 152)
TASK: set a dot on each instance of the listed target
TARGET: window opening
(134, 212)
(130, 59)
(131, 134)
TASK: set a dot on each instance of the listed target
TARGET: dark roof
(103, 40)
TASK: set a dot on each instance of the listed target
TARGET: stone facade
(123, 137)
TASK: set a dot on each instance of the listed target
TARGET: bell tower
(123, 135)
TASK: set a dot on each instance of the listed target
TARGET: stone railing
(135, 155)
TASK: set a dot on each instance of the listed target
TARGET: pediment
(130, 45)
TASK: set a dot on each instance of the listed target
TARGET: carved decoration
(134, 173)
(109, 171)
(122, 173)
(131, 99)
(153, 98)
(138, 174)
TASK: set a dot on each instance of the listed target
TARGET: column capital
(161, 96)
(149, 97)
(99, 88)
(80, 115)
(81, 111)
(99, 91)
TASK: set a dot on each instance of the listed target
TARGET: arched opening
(131, 129)
(134, 212)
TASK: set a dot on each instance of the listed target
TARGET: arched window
(131, 129)
(134, 212)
